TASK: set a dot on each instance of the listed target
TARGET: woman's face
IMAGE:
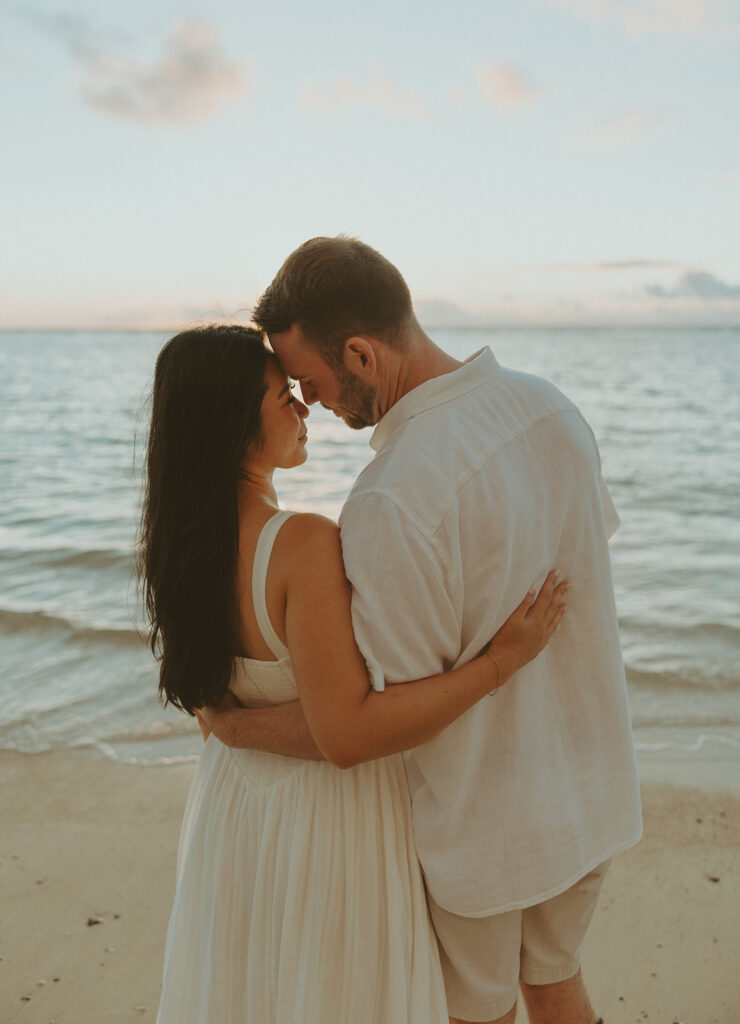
(284, 434)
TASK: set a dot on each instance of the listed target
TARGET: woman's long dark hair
(208, 388)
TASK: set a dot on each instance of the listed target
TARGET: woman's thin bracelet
(492, 693)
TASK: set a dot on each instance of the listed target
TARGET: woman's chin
(299, 457)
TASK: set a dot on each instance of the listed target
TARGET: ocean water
(664, 405)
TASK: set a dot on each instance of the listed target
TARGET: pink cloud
(506, 86)
(378, 92)
(662, 17)
(188, 82)
(624, 129)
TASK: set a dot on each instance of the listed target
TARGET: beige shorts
(484, 958)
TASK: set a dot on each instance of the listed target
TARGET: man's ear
(361, 357)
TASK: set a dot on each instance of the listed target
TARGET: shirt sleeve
(403, 613)
(611, 516)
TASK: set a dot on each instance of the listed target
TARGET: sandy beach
(87, 861)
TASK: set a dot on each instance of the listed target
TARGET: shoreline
(697, 756)
(86, 839)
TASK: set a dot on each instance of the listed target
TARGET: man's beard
(357, 400)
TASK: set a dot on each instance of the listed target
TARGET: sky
(520, 161)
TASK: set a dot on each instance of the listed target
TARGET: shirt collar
(476, 370)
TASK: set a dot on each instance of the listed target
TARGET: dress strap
(262, 553)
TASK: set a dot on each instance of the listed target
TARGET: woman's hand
(529, 628)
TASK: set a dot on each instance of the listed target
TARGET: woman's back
(270, 551)
(302, 876)
(264, 676)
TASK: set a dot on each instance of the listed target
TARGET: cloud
(630, 265)
(73, 31)
(506, 86)
(625, 129)
(500, 85)
(696, 284)
(437, 312)
(187, 83)
(378, 92)
(615, 265)
(191, 78)
(659, 17)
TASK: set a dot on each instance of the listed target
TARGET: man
(483, 479)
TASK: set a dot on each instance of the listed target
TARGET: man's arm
(611, 516)
(278, 729)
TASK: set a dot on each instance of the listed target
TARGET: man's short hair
(332, 289)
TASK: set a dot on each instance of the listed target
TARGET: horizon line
(468, 327)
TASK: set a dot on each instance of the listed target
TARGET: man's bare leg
(563, 1002)
(508, 1018)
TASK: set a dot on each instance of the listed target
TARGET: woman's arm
(349, 721)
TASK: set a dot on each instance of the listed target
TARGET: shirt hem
(531, 901)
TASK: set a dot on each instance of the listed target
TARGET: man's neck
(421, 362)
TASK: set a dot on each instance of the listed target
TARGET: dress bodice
(260, 683)
(257, 684)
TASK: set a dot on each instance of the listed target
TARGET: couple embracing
(417, 763)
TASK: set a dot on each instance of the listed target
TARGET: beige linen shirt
(484, 480)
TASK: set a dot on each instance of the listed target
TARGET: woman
(299, 896)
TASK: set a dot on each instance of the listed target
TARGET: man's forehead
(296, 356)
(290, 365)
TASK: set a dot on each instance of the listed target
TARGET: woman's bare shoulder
(308, 536)
(310, 523)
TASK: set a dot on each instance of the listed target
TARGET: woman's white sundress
(299, 895)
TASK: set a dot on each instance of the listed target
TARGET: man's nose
(309, 393)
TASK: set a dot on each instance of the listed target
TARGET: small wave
(110, 752)
(72, 558)
(183, 726)
(39, 622)
(700, 680)
(94, 559)
(700, 743)
(671, 629)
(163, 761)
(719, 631)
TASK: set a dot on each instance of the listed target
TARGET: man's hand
(215, 719)
(278, 729)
